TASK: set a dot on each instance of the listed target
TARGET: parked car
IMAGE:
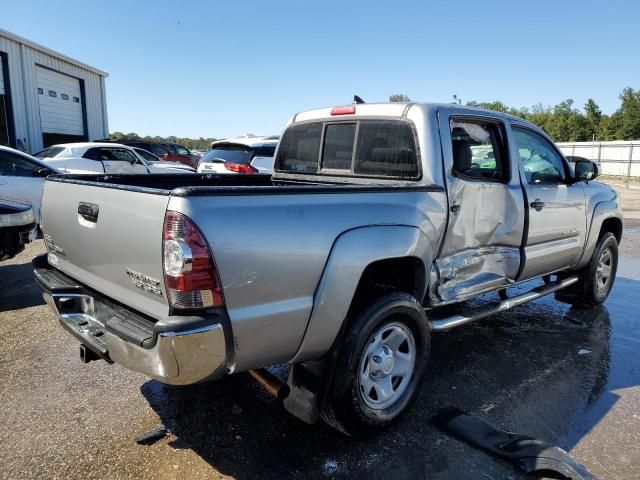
(170, 152)
(22, 177)
(17, 227)
(98, 157)
(157, 162)
(240, 155)
(377, 226)
(182, 151)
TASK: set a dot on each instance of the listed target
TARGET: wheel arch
(395, 255)
(613, 225)
(606, 217)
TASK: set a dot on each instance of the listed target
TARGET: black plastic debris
(530, 454)
(152, 436)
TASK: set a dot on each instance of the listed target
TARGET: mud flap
(310, 383)
(529, 454)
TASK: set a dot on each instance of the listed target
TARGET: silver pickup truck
(376, 217)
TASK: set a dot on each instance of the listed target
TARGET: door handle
(455, 208)
(88, 211)
(538, 204)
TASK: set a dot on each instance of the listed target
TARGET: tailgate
(109, 239)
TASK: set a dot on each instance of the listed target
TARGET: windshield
(229, 154)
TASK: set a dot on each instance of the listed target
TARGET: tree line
(191, 143)
(566, 123)
(563, 122)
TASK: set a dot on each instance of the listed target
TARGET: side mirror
(585, 170)
(43, 172)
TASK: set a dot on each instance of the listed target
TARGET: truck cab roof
(400, 109)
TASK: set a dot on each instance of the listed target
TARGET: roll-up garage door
(60, 100)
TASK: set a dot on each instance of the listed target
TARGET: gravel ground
(565, 376)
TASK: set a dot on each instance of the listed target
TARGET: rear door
(117, 161)
(481, 250)
(555, 205)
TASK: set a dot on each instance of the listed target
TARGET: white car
(240, 155)
(22, 177)
(157, 162)
(99, 157)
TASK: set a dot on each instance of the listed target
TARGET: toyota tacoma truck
(340, 264)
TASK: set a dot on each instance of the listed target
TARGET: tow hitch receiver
(87, 355)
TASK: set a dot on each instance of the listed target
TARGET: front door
(555, 204)
(481, 250)
(120, 161)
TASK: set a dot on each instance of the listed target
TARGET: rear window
(229, 154)
(265, 151)
(386, 149)
(338, 146)
(300, 148)
(383, 148)
(49, 152)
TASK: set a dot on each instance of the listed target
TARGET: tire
(597, 278)
(388, 336)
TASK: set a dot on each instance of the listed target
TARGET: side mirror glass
(585, 170)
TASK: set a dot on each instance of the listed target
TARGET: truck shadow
(17, 287)
(540, 370)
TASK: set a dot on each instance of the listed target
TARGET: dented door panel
(481, 250)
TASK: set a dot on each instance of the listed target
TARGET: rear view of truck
(106, 255)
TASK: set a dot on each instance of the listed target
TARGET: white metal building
(47, 97)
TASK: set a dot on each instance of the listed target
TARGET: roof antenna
(357, 99)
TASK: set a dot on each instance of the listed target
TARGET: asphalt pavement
(570, 377)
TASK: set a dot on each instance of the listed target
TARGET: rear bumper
(175, 350)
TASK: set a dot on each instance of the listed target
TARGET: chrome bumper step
(491, 308)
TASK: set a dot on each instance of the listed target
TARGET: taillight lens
(240, 168)
(190, 274)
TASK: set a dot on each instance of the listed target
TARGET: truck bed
(208, 184)
(270, 240)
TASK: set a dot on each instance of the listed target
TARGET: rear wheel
(596, 279)
(380, 364)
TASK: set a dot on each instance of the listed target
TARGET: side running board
(492, 308)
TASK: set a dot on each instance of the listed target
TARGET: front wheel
(596, 279)
(380, 364)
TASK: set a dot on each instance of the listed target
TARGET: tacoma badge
(145, 282)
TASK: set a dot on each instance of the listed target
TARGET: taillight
(240, 168)
(190, 274)
(343, 110)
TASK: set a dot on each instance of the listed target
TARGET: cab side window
(478, 150)
(123, 155)
(542, 162)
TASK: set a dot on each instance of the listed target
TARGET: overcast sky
(227, 68)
